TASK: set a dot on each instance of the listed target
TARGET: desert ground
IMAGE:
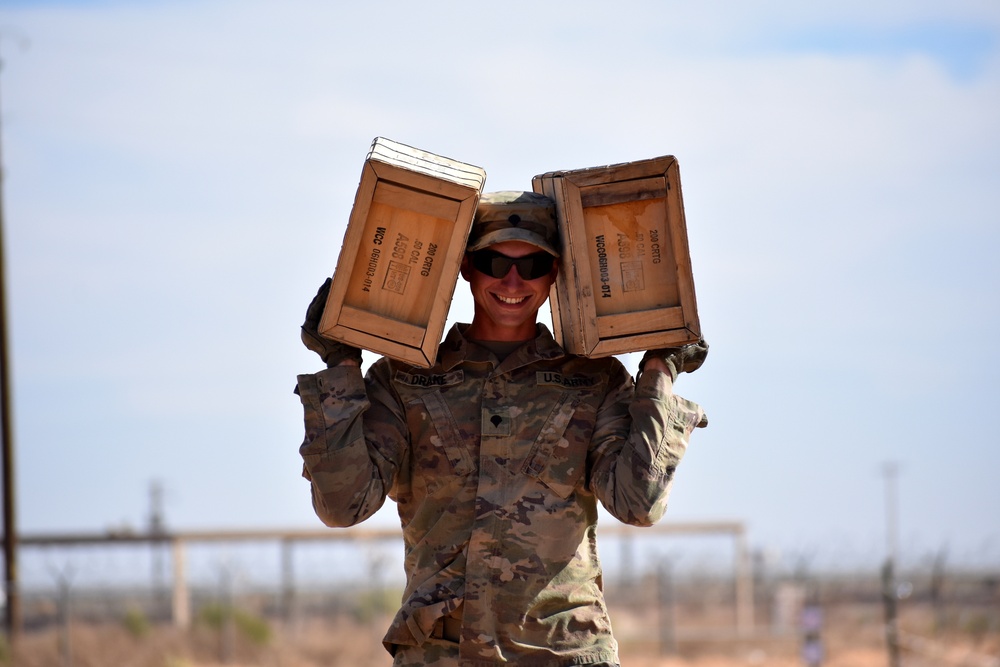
(853, 635)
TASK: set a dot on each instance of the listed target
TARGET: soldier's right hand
(330, 351)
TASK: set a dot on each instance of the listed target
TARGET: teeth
(511, 300)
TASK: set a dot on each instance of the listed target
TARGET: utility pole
(12, 620)
(890, 470)
(889, 595)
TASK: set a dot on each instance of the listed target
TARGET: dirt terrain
(850, 641)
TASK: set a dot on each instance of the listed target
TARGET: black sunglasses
(496, 265)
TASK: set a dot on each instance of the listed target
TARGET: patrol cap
(512, 215)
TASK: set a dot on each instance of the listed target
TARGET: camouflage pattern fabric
(496, 470)
(515, 216)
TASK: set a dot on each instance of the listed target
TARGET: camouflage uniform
(496, 470)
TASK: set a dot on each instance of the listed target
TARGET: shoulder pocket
(555, 460)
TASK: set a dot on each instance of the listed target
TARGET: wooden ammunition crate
(625, 282)
(400, 260)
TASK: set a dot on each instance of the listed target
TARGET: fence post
(812, 631)
(665, 579)
(937, 593)
(287, 581)
(227, 608)
(744, 588)
(65, 641)
(181, 599)
(891, 620)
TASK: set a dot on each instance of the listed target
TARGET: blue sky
(178, 176)
(963, 48)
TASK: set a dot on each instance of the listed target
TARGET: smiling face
(506, 308)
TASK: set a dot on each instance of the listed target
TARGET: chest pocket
(439, 450)
(555, 460)
(450, 439)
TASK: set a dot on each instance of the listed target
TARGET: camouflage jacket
(496, 470)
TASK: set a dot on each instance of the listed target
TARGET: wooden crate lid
(414, 159)
(402, 251)
(621, 171)
(654, 304)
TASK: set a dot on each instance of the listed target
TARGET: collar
(457, 349)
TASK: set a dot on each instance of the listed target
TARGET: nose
(513, 278)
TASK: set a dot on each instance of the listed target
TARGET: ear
(465, 267)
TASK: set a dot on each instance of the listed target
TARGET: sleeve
(355, 441)
(641, 433)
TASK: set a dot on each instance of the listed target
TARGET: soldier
(496, 458)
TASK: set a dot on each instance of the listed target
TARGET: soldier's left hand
(684, 359)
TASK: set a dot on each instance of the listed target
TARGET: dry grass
(853, 637)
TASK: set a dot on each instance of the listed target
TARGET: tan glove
(685, 359)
